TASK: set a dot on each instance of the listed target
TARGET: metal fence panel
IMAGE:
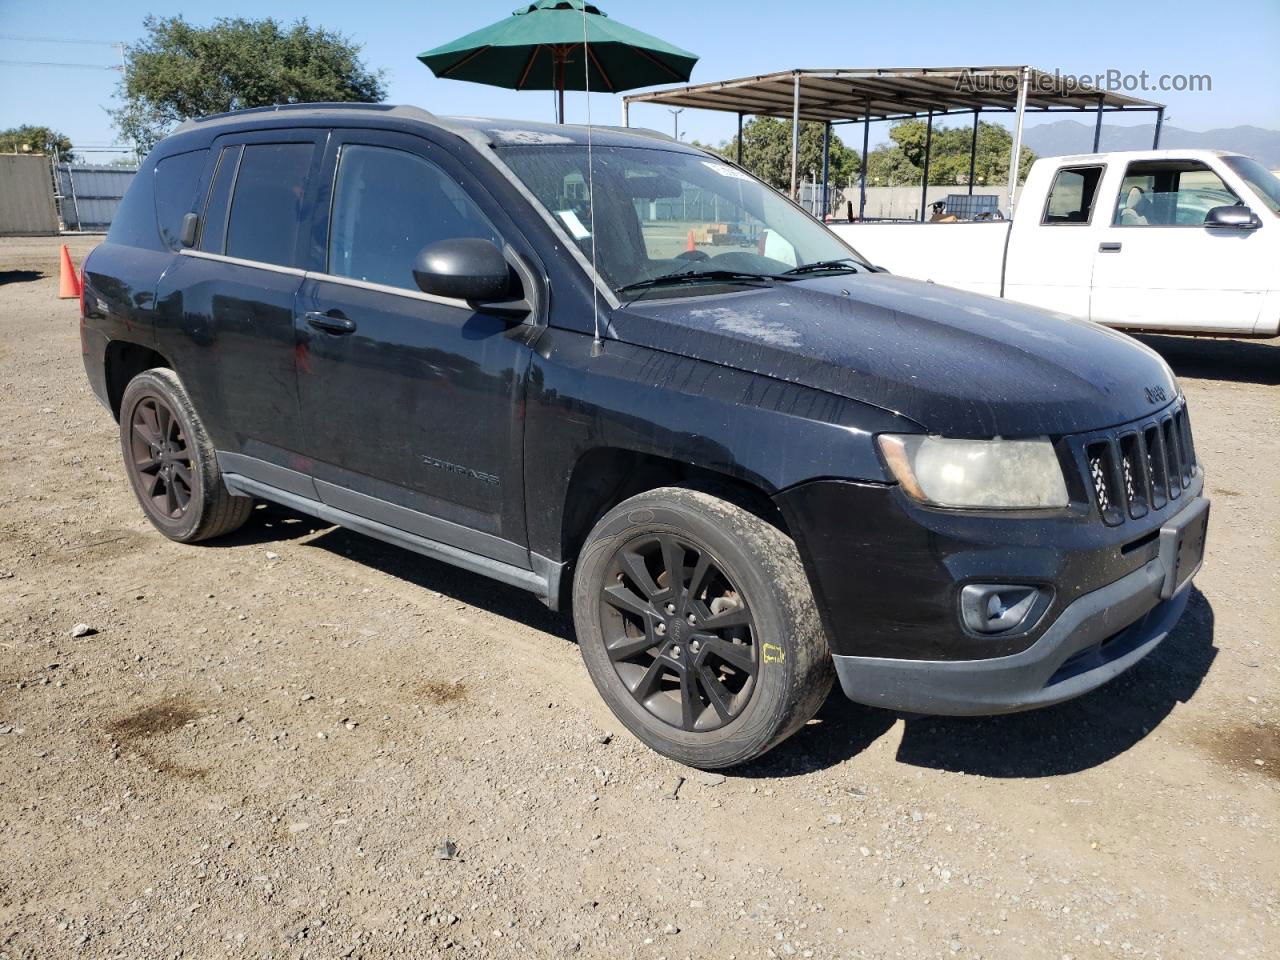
(89, 195)
(26, 197)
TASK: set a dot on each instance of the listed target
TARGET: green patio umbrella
(540, 47)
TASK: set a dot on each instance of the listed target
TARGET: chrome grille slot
(1156, 467)
(1102, 476)
(1173, 457)
(1133, 471)
(1183, 424)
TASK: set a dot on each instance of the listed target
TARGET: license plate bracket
(1182, 546)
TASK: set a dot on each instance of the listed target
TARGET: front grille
(1141, 467)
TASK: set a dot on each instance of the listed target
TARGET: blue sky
(733, 38)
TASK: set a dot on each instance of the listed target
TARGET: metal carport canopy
(848, 95)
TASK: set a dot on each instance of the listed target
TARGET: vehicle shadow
(1244, 361)
(270, 523)
(453, 582)
(1066, 738)
(19, 276)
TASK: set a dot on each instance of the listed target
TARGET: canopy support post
(739, 139)
(1155, 142)
(862, 172)
(626, 112)
(973, 150)
(1097, 125)
(826, 165)
(795, 139)
(1017, 137)
(924, 178)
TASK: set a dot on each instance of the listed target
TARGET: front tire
(698, 627)
(171, 462)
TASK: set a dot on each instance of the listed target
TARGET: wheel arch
(123, 361)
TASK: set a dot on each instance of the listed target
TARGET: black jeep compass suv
(627, 376)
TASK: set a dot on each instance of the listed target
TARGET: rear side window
(387, 206)
(267, 206)
(1071, 198)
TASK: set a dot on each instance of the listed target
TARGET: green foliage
(179, 71)
(36, 140)
(903, 163)
(766, 152)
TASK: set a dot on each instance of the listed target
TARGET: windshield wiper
(844, 263)
(704, 276)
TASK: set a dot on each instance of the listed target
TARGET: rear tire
(718, 664)
(171, 462)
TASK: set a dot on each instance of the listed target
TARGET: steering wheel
(693, 255)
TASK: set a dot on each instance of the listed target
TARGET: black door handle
(1108, 248)
(332, 322)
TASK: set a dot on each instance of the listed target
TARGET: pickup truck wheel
(697, 625)
(171, 462)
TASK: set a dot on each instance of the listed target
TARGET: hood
(959, 364)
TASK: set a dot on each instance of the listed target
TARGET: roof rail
(416, 112)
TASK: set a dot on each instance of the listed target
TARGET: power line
(99, 43)
(50, 63)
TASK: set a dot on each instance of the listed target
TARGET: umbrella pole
(560, 56)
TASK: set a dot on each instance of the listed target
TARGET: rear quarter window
(177, 180)
(134, 222)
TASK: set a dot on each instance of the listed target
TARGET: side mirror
(1236, 217)
(464, 268)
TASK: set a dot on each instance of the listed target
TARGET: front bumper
(1096, 637)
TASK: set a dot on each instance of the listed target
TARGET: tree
(28, 138)
(180, 71)
(903, 163)
(766, 152)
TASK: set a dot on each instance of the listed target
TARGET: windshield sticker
(576, 229)
(725, 170)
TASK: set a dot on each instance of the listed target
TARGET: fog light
(997, 607)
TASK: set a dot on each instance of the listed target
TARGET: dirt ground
(265, 744)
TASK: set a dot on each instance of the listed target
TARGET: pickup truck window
(387, 205)
(1264, 182)
(1169, 193)
(267, 204)
(661, 213)
(1071, 197)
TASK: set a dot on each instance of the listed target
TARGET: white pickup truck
(1176, 240)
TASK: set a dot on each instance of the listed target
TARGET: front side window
(1265, 183)
(267, 206)
(666, 213)
(1071, 198)
(1169, 193)
(387, 206)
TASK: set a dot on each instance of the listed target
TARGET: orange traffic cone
(692, 245)
(68, 278)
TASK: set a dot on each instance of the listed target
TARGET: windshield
(662, 215)
(1264, 182)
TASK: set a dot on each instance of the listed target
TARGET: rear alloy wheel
(171, 463)
(697, 626)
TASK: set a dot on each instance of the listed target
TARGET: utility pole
(675, 121)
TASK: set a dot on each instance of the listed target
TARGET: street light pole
(675, 121)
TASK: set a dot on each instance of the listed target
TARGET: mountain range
(1071, 136)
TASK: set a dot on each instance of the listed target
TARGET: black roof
(492, 131)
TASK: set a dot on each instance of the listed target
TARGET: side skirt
(543, 580)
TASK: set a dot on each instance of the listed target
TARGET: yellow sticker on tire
(772, 653)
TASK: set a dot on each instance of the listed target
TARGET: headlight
(998, 474)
